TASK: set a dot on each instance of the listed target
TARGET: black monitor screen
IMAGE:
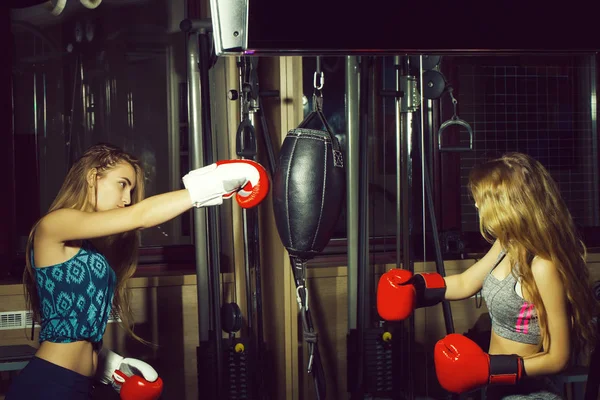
(419, 26)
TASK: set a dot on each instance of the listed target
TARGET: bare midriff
(78, 356)
(500, 345)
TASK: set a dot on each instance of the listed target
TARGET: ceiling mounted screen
(398, 26)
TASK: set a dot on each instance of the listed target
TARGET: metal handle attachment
(455, 121)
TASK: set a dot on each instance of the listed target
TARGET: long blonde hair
(121, 250)
(520, 205)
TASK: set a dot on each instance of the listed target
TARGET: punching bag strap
(316, 119)
(314, 365)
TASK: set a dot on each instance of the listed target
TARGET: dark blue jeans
(43, 380)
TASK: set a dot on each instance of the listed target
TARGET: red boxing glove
(137, 388)
(133, 379)
(257, 186)
(399, 293)
(246, 179)
(461, 365)
(396, 296)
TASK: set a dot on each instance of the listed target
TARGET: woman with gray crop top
(534, 280)
(80, 256)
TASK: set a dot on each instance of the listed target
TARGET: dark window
(543, 105)
(113, 74)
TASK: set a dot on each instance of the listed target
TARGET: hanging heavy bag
(308, 189)
(308, 186)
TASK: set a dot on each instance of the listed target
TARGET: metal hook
(299, 299)
(454, 104)
(321, 80)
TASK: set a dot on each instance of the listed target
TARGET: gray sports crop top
(75, 296)
(512, 317)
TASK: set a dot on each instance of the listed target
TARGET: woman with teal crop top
(534, 280)
(82, 252)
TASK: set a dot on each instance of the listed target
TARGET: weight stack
(378, 358)
(238, 374)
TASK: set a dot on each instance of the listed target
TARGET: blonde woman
(534, 280)
(81, 254)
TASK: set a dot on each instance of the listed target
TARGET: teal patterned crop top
(75, 297)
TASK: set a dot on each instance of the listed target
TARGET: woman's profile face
(115, 186)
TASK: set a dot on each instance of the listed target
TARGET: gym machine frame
(228, 368)
(377, 355)
(231, 37)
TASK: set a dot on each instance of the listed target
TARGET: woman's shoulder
(545, 272)
(48, 220)
(46, 245)
(51, 225)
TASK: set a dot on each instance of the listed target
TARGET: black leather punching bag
(308, 187)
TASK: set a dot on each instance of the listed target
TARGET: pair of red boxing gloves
(460, 364)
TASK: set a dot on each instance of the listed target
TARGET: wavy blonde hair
(121, 250)
(520, 205)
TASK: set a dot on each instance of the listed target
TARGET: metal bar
(404, 137)
(406, 184)
(363, 219)
(243, 64)
(197, 161)
(356, 217)
(254, 246)
(352, 187)
(423, 110)
(195, 25)
(398, 114)
(247, 262)
(174, 118)
(403, 174)
(214, 265)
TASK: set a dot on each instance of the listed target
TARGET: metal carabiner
(321, 80)
(454, 104)
(299, 298)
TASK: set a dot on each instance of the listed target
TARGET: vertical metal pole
(399, 169)
(212, 213)
(403, 174)
(203, 278)
(245, 213)
(205, 220)
(352, 92)
(363, 288)
(354, 72)
(404, 120)
(197, 161)
(407, 259)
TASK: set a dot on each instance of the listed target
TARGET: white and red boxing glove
(461, 365)
(133, 379)
(209, 185)
(399, 293)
